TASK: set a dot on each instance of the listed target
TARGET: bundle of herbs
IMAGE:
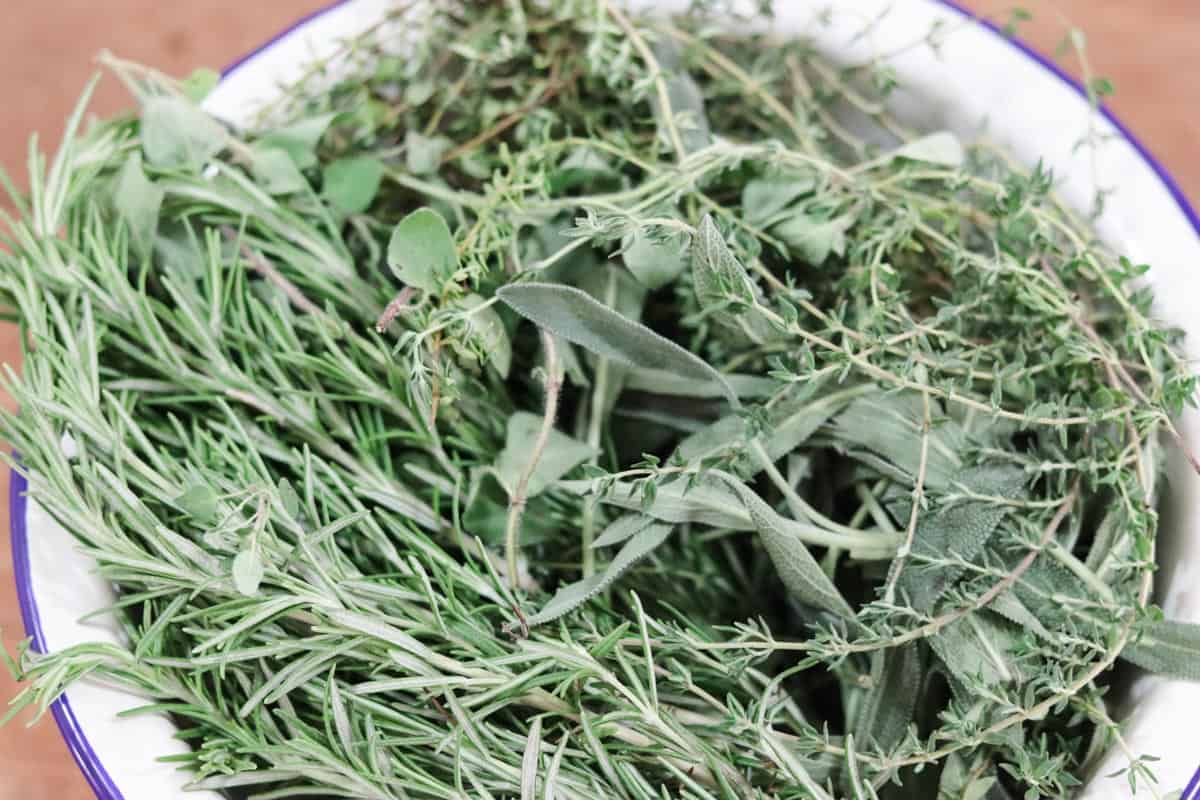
(564, 404)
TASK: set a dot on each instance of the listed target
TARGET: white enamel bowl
(980, 78)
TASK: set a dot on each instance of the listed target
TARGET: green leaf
(889, 425)
(962, 529)
(686, 100)
(764, 198)
(707, 502)
(421, 251)
(576, 317)
(570, 597)
(720, 280)
(791, 422)
(300, 139)
(897, 675)
(942, 148)
(654, 264)
(621, 529)
(978, 647)
(561, 454)
(1166, 648)
(350, 184)
(199, 502)
(486, 513)
(275, 170)
(813, 239)
(616, 289)
(799, 571)
(656, 381)
(137, 201)
(200, 83)
(247, 571)
(488, 330)
(423, 154)
(178, 135)
(292, 503)
(582, 166)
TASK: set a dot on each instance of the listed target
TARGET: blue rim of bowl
(89, 763)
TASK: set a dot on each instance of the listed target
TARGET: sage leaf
(657, 381)
(1166, 648)
(813, 239)
(707, 502)
(299, 139)
(570, 597)
(962, 529)
(138, 201)
(978, 647)
(561, 454)
(942, 148)
(199, 501)
(621, 529)
(723, 286)
(275, 170)
(421, 251)
(799, 571)
(891, 702)
(764, 198)
(178, 135)
(889, 425)
(487, 329)
(247, 571)
(653, 263)
(350, 184)
(423, 154)
(575, 316)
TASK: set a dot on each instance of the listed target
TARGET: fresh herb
(590, 406)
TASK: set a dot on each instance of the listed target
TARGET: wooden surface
(47, 48)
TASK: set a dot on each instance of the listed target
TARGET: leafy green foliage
(843, 441)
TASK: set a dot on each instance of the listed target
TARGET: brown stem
(516, 505)
(265, 268)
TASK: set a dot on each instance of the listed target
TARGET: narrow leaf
(621, 529)
(1167, 648)
(529, 761)
(570, 597)
(800, 572)
(708, 502)
(576, 317)
(896, 678)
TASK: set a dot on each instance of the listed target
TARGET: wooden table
(47, 46)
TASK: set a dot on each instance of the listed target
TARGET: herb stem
(516, 506)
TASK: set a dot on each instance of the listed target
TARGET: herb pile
(581, 406)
